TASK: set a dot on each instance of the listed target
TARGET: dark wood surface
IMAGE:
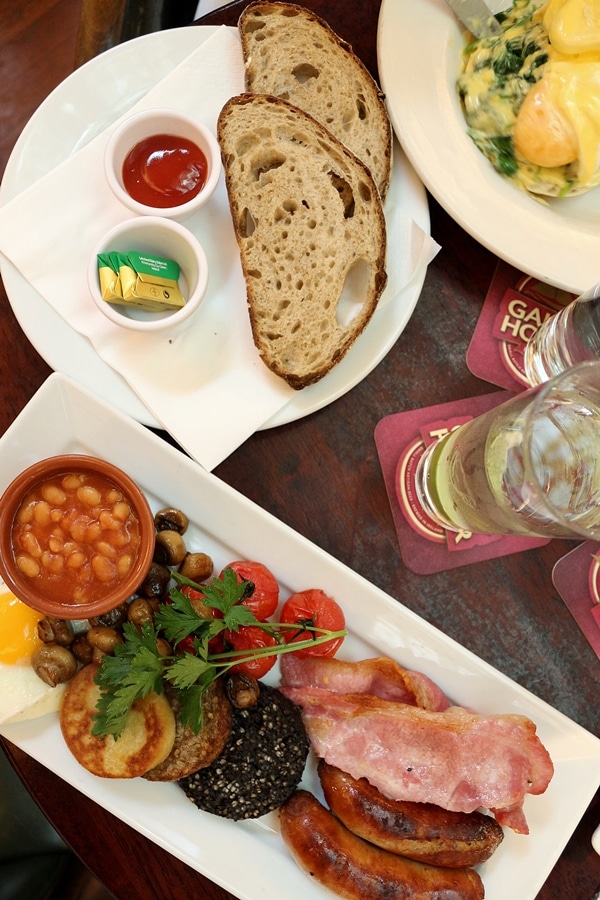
(321, 476)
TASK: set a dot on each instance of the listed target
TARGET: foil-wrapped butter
(108, 273)
(137, 279)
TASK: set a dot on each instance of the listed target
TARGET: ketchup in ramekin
(174, 163)
(164, 170)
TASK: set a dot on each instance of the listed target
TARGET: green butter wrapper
(145, 282)
(108, 273)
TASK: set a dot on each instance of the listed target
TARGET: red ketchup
(164, 170)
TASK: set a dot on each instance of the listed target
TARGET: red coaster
(576, 577)
(426, 548)
(514, 308)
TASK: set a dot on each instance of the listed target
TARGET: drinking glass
(570, 336)
(530, 466)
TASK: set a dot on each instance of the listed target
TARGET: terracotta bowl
(74, 547)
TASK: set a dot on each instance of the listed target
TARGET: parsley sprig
(137, 668)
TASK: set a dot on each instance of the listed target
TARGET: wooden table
(321, 475)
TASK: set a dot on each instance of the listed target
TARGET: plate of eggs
(505, 131)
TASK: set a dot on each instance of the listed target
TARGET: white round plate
(419, 50)
(80, 108)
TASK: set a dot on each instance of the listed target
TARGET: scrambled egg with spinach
(547, 144)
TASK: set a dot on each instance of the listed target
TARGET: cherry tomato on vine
(186, 645)
(197, 599)
(215, 645)
(315, 608)
(251, 637)
(265, 597)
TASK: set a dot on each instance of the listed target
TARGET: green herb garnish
(137, 668)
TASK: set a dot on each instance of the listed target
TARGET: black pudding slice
(261, 764)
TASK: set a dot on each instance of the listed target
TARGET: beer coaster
(576, 577)
(514, 308)
(426, 548)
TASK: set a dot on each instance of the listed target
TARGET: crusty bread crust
(309, 223)
(290, 52)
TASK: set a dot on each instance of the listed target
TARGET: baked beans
(76, 533)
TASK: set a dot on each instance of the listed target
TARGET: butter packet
(108, 273)
(140, 280)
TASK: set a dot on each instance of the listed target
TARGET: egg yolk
(573, 26)
(543, 134)
(559, 120)
(18, 630)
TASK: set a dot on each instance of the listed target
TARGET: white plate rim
(67, 351)
(64, 417)
(419, 46)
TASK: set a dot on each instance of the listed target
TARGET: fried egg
(531, 96)
(22, 694)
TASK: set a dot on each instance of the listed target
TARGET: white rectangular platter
(65, 418)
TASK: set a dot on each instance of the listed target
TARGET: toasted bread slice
(291, 53)
(146, 740)
(309, 223)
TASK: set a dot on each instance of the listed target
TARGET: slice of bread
(309, 222)
(291, 53)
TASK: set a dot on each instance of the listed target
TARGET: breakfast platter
(89, 101)
(419, 52)
(64, 417)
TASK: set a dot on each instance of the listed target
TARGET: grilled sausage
(420, 831)
(352, 868)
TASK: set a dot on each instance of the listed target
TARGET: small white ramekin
(157, 237)
(150, 122)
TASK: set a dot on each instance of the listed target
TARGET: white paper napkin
(205, 383)
(207, 6)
